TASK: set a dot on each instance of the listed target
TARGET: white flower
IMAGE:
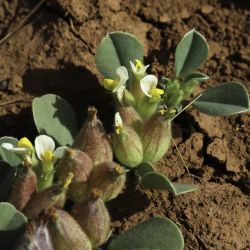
(45, 147)
(118, 123)
(149, 87)
(22, 147)
(120, 93)
(115, 84)
(138, 69)
(123, 77)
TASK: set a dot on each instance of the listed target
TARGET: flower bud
(94, 219)
(176, 99)
(172, 86)
(36, 236)
(93, 140)
(54, 196)
(66, 233)
(80, 164)
(109, 179)
(156, 137)
(188, 88)
(127, 144)
(23, 188)
(130, 117)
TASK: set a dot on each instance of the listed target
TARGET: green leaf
(54, 116)
(155, 180)
(60, 151)
(156, 233)
(196, 76)
(190, 53)
(12, 225)
(181, 188)
(117, 49)
(7, 177)
(224, 99)
(144, 168)
(6, 155)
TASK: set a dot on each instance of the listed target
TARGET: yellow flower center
(138, 64)
(109, 84)
(25, 143)
(156, 94)
(118, 129)
(47, 156)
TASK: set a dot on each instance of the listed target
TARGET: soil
(54, 53)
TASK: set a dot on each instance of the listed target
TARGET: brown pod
(130, 117)
(109, 179)
(24, 187)
(93, 140)
(94, 219)
(66, 233)
(53, 196)
(36, 236)
(80, 164)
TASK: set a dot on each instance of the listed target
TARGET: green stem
(46, 176)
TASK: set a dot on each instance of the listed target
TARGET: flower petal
(133, 67)
(147, 83)
(123, 77)
(44, 143)
(118, 120)
(8, 146)
(120, 93)
(142, 71)
(17, 150)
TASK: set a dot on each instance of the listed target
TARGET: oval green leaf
(54, 116)
(190, 53)
(117, 49)
(12, 225)
(181, 188)
(156, 233)
(224, 99)
(6, 155)
(155, 180)
(144, 168)
(200, 77)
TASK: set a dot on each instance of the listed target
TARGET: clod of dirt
(208, 124)
(217, 149)
(192, 150)
(75, 9)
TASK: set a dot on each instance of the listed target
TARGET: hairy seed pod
(156, 137)
(130, 117)
(36, 237)
(94, 219)
(24, 187)
(127, 147)
(109, 179)
(81, 165)
(54, 196)
(93, 140)
(66, 233)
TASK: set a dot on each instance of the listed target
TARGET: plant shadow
(76, 84)
(131, 201)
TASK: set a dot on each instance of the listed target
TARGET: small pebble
(207, 9)
(3, 84)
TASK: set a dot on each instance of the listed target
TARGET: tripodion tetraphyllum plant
(89, 168)
(146, 105)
